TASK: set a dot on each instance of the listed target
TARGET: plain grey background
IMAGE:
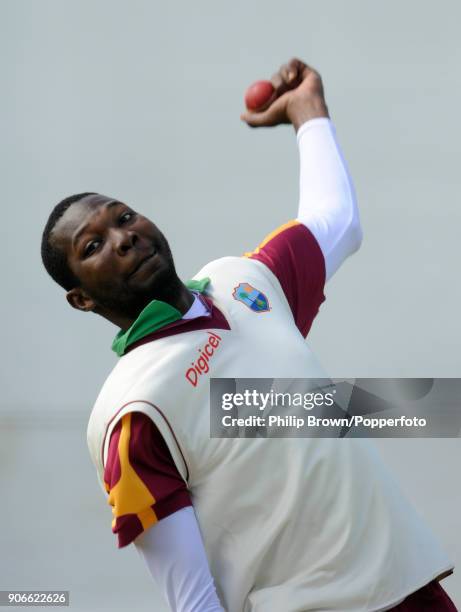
(141, 100)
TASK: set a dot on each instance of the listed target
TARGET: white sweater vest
(288, 524)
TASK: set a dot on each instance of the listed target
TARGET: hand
(299, 97)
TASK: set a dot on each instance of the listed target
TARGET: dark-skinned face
(121, 259)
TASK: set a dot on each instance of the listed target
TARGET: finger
(252, 120)
(303, 69)
(285, 72)
(264, 119)
(272, 116)
(288, 77)
(277, 81)
(281, 81)
(290, 72)
(295, 67)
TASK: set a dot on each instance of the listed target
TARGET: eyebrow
(82, 229)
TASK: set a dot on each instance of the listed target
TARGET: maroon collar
(213, 320)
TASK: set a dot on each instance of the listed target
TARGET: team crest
(251, 297)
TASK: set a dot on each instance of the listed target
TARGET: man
(280, 524)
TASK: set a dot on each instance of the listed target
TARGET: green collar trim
(155, 315)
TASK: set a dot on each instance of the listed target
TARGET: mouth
(141, 262)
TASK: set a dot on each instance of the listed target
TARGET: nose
(124, 240)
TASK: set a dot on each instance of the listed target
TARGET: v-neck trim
(156, 315)
(215, 319)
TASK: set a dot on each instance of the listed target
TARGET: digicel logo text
(201, 366)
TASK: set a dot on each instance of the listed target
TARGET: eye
(91, 248)
(126, 216)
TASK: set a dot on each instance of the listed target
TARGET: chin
(160, 284)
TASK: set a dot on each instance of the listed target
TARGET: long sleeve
(175, 556)
(327, 203)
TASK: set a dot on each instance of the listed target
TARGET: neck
(179, 297)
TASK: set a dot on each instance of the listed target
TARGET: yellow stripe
(147, 518)
(272, 235)
(130, 495)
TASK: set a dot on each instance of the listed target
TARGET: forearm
(327, 203)
(174, 554)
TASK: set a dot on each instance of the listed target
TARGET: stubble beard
(128, 302)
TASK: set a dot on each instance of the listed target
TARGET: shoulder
(228, 265)
(228, 274)
(232, 268)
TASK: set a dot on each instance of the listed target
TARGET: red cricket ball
(259, 95)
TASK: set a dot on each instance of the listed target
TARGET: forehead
(78, 214)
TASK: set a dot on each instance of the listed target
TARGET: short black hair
(54, 259)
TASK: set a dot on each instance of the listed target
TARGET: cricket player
(243, 525)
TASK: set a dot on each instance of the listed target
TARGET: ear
(80, 300)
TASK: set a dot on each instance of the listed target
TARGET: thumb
(273, 115)
(257, 119)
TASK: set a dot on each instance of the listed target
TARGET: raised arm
(327, 204)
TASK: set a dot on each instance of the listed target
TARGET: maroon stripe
(112, 469)
(151, 459)
(295, 258)
(216, 320)
(173, 503)
(127, 528)
(430, 598)
(164, 418)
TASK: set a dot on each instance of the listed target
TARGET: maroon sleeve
(142, 480)
(292, 253)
